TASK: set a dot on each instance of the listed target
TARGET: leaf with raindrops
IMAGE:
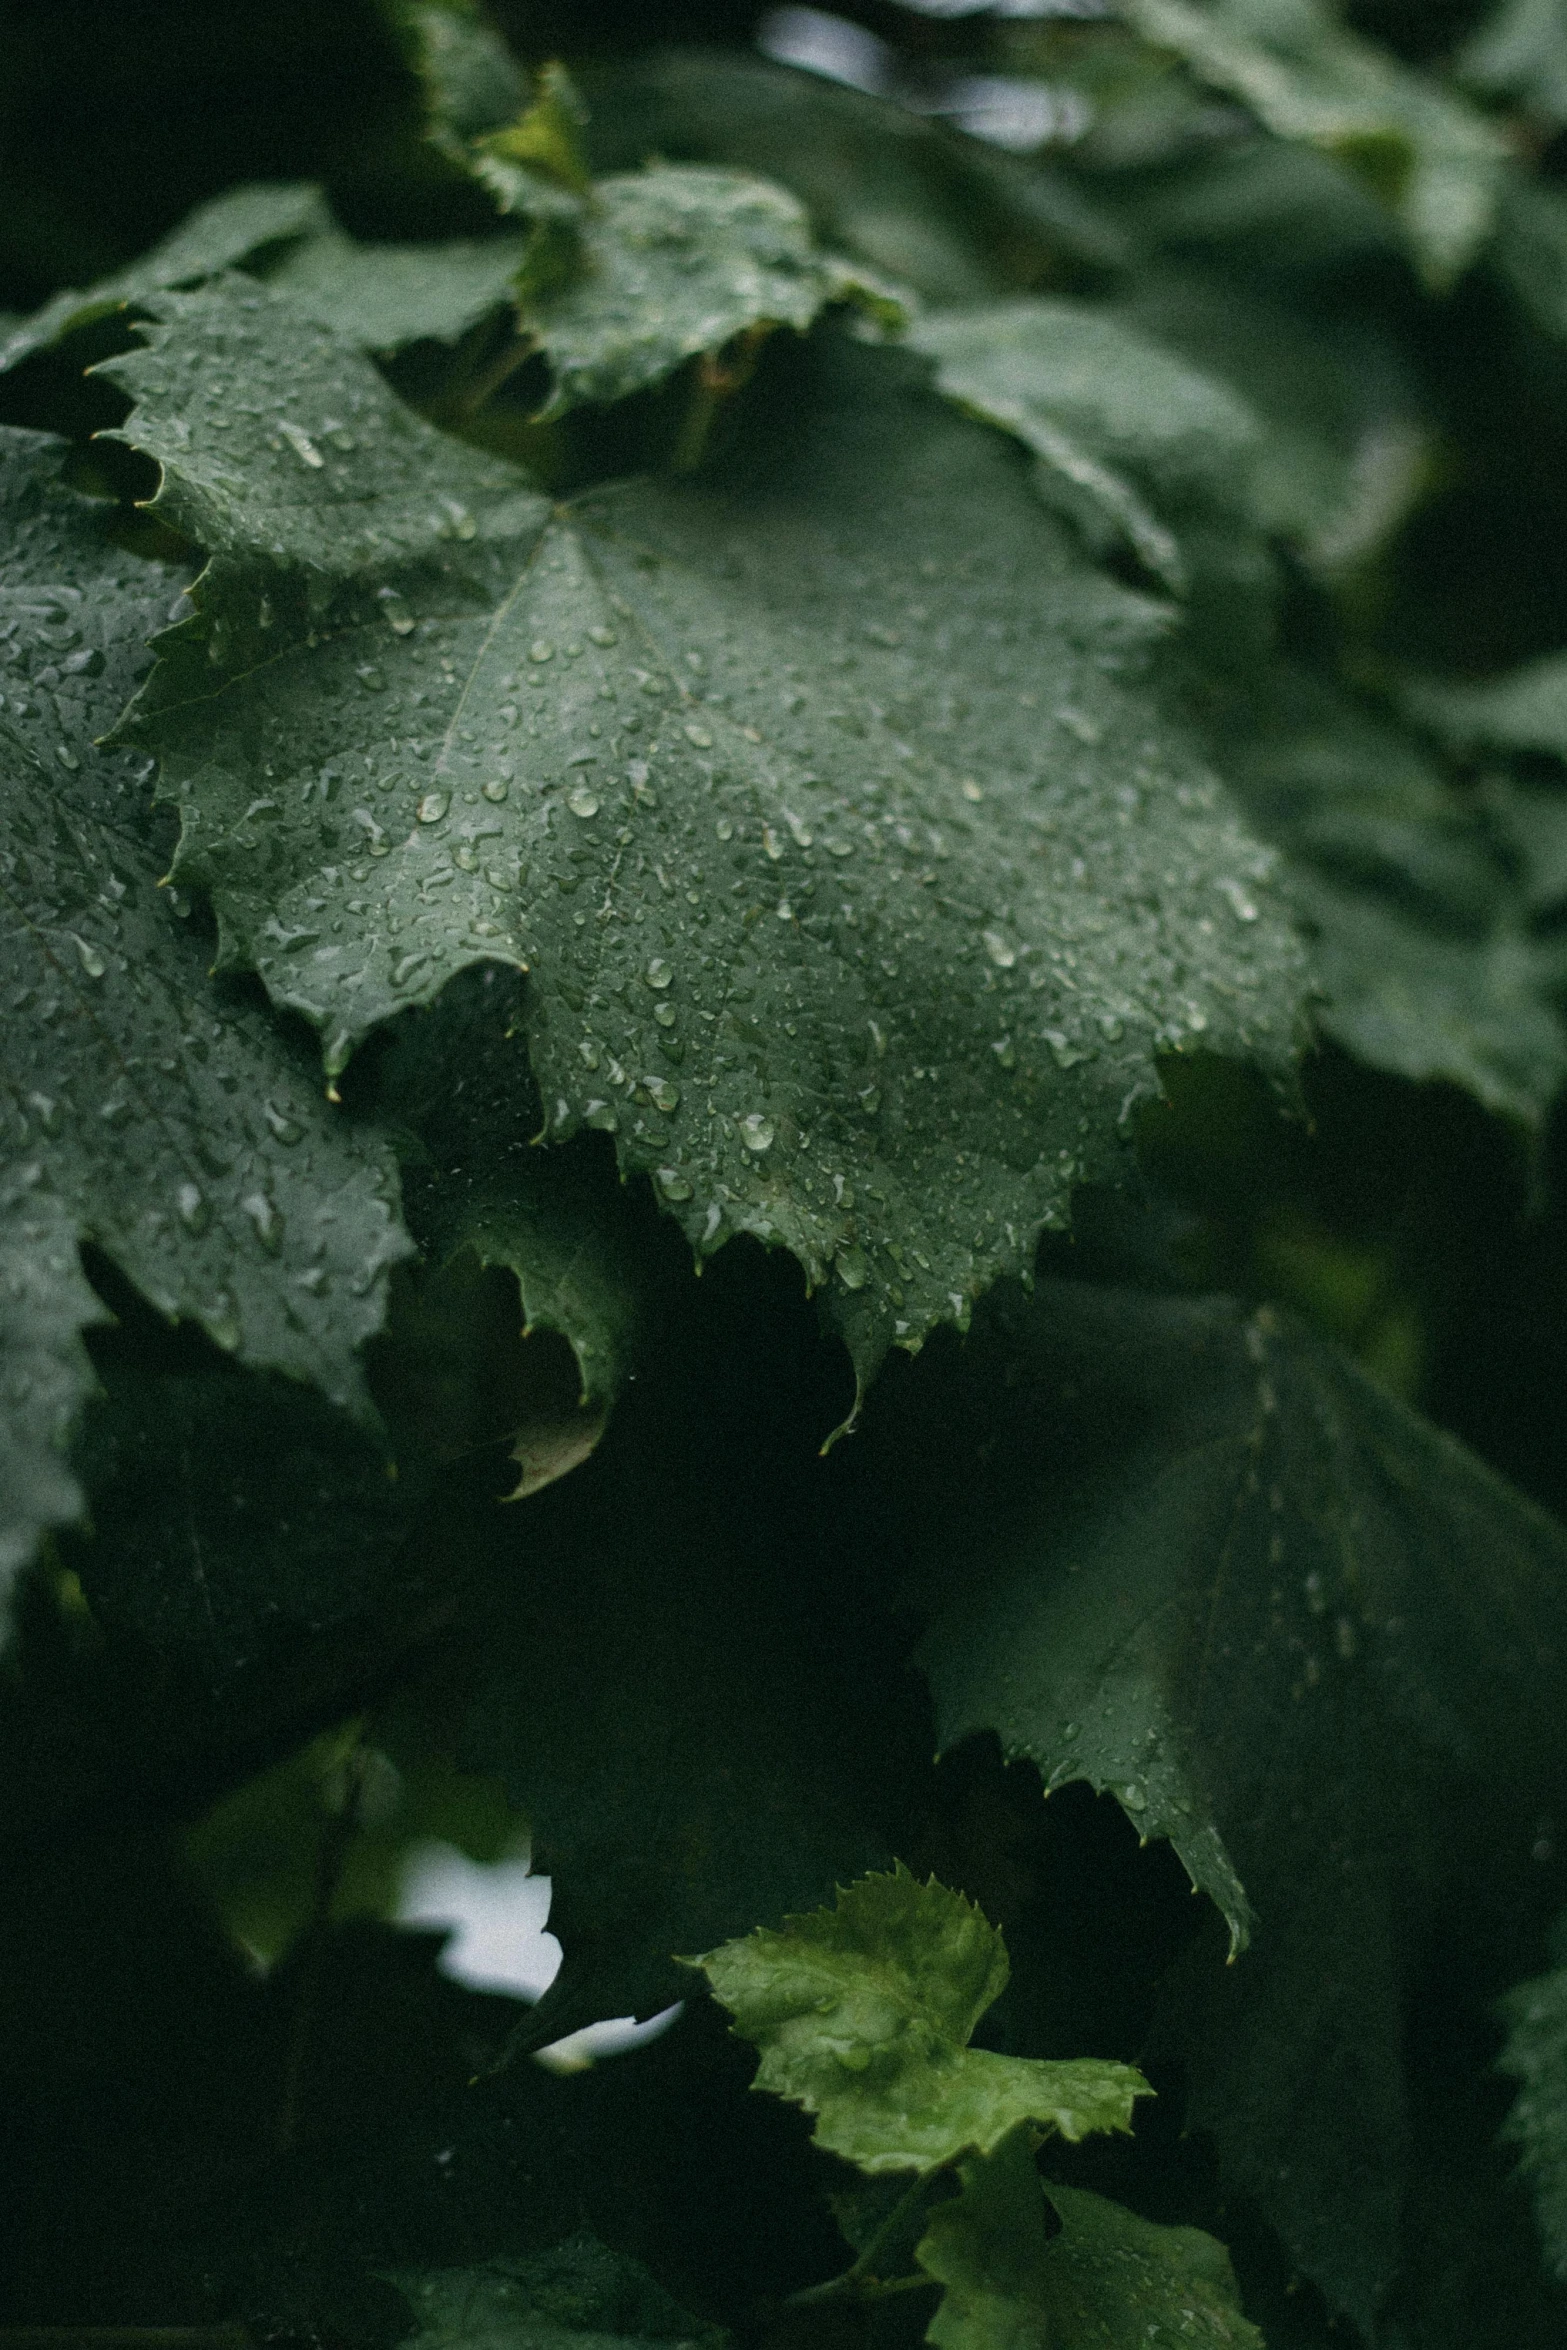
(170, 1123)
(1203, 1564)
(860, 872)
(863, 2014)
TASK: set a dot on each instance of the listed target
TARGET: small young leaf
(806, 950)
(1434, 161)
(989, 2251)
(864, 2012)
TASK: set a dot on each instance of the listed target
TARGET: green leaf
(678, 261)
(1520, 52)
(1529, 253)
(241, 226)
(1430, 158)
(1210, 1569)
(1536, 2058)
(989, 2251)
(1422, 947)
(864, 2012)
(953, 218)
(1523, 709)
(875, 971)
(168, 1122)
(385, 296)
(1114, 419)
(475, 1180)
(472, 82)
(580, 2293)
(1106, 2280)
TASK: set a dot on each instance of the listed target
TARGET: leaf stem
(859, 2281)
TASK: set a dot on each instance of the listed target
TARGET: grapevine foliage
(783, 858)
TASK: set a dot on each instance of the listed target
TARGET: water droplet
(1000, 951)
(1070, 1731)
(854, 1268)
(541, 650)
(700, 736)
(603, 636)
(284, 1128)
(433, 807)
(495, 790)
(301, 444)
(662, 1094)
(191, 1208)
(67, 757)
(602, 1116)
(266, 1220)
(659, 974)
(756, 1132)
(1134, 1797)
(1005, 1052)
(1241, 904)
(673, 1184)
(970, 789)
(665, 1015)
(91, 961)
(399, 617)
(582, 802)
(724, 829)
(771, 843)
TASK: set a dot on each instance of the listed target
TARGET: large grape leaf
(268, 219)
(1431, 158)
(1203, 1564)
(863, 2014)
(169, 1122)
(858, 871)
(1104, 2281)
(1536, 2057)
(384, 296)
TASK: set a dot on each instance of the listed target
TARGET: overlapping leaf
(1520, 52)
(876, 970)
(1428, 156)
(1208, 1568)
(1104, 2279)
(248, 223)
(863, 2014)
(171, 1125)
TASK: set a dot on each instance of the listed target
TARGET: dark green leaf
(1536, 2057)
(384, 296)
(1422, 946)
(169, 1123)
(580, 2293)
(864, 2012)
(238, 227)
(805, 952)
(988, 2250)
(1435, 162)
(1211, 1569)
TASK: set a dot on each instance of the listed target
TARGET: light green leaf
(139, 1108)
(1536, 2058)
(989, 2251)
(863, 2014)
(1106, 2280)
(874, 970)
(1114, 419)
(385, 296)
(1219, 1575)
(1520, 52)
(678, 260)
(1430, 158)
(238, 227)
(580, 2294)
